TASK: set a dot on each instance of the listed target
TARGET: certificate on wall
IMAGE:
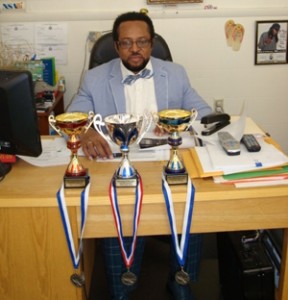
(271, 42)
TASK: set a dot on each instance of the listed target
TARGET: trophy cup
(124, 130)
(72, 124)
(174, 121)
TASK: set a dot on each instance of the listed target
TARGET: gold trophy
(72, 124)
(124, 130)
(174, 121)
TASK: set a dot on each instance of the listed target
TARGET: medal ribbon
(127, 257)
(181, 250)
(66, 222)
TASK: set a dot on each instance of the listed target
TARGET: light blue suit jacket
(103, 92)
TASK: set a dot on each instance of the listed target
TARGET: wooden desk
(34, 259)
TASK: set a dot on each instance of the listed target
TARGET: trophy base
(76, 181)
(125, 182)
(176, 178)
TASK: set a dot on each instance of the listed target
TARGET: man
(104, 91)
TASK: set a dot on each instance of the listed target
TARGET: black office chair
(103, 50)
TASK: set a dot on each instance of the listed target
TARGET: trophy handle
(147, 121)
(155, 118)
(98, 123)
(194, 114)
(89, 121)
(52, 123)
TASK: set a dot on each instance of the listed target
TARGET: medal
(78, 279)
(182, 277)
(128, 278)
(75, 257)
(181, 249)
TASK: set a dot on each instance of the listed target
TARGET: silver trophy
(124, 130)
(175, 121)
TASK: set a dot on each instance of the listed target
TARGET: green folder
(259, 173)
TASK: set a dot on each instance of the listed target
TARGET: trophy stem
(76, 176)
(126, 175)
(75, 168)
(175, 164)
(175, 171)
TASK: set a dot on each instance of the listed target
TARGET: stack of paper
(273, 176)
(268, 157)
(269, 166)
(266, 167)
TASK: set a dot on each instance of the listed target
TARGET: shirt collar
(126, 72)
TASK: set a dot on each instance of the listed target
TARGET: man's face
(134, 45)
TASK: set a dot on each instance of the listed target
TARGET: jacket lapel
(117, 87)
(161, 84)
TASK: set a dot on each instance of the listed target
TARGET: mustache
(135, 54)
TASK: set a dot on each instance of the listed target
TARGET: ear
(116, 47)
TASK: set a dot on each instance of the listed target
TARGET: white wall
(196, 39)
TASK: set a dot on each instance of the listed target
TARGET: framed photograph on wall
(271, 42)
(172, 1)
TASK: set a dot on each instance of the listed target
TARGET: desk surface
(216, 208)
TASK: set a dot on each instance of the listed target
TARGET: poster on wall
(271, 42)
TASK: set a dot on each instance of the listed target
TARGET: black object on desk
(214, 122)
(251, 143)
(149, 142)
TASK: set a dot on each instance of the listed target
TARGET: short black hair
(132, 16)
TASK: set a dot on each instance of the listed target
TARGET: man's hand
(94, 145)
(159, 131)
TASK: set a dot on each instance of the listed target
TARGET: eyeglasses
(127, 43)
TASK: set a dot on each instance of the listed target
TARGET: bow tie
(129, 79)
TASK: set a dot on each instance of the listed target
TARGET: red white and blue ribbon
(75, 257)
(128, 256)
(180, 249)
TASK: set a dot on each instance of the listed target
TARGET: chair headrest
(104, 51)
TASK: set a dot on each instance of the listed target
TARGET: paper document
(213, 159)
(261, 183)
(269, 156)
(55, 153)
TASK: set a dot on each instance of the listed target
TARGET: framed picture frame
(271, 42)
(173, 1)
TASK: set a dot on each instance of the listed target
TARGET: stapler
(214, 122)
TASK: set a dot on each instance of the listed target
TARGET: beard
(135, 69)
